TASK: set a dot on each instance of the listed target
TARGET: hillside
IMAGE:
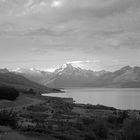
(21, 83)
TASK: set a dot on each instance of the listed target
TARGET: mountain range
(70, 76)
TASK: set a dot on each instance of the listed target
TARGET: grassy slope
(21, 83)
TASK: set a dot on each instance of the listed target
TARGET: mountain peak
(126, 68)
(66, 66)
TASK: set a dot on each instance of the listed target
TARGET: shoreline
(56, 118)
(71, 100)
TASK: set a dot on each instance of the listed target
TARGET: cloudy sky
(94, 34)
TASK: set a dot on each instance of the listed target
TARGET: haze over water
(118, 98)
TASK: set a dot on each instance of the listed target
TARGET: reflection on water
(118, 98)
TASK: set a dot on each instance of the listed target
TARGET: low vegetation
(131, 129)
(60, 120)
(8, 93)
(8, 118)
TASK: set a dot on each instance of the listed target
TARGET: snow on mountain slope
(69, 76)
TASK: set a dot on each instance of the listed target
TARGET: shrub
(97, 126)
(100, 128)
(131, 129)
(90, 136)
(88, 121)
(8, 93)
(122, 116)
(30, 92)
(8, 118)
(112, 119)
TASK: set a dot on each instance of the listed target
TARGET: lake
(118, 98)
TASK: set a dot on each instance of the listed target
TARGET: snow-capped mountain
(65, 76)
(70, 76)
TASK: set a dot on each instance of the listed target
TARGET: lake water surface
(118, 98)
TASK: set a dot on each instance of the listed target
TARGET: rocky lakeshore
(54, 118)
